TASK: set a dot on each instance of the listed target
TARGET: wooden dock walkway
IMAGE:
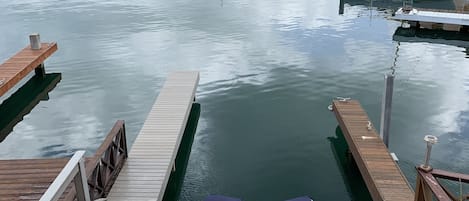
(380, 172)
(28, 179)
(151, 159)
(20, 65)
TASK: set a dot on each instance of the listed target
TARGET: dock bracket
(343, 99)
(394, 157)
(40, 70)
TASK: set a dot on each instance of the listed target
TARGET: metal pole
(341, 7)
(386, 108)
(427, 155)
(431, 140)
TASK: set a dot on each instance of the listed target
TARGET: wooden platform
(21, 64)
(28, 179)
(145, 174)
(381, 174)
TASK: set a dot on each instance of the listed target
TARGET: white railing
(74, 170)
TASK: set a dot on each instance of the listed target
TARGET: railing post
(422, 190)
(74, 169)
(81, 183)
(386, 108)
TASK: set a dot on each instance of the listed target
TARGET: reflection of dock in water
(13, 109)
(348, 168)
(457, 39)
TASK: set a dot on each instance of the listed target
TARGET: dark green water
(269, 69)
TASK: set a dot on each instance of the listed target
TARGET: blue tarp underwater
(220, 198)
(304, 198)
(224, 198)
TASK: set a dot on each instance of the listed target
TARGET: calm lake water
(268, 69)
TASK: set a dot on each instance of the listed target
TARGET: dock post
(35, 41)
(341, 7)
(386, 108)
(40, 71)
(422, 190)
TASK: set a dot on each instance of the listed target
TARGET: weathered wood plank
(17, 67)
(380, 172)
(28, 179)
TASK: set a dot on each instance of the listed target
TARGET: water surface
(268, 69)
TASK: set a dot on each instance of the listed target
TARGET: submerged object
(304, 198)
(220, 198)
(224, 198)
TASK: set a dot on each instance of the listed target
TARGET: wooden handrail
(73, 170)
(428, 187)
(102, 169)
(450, 175)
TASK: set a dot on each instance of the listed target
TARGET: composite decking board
(20, 65)
(380, 172)
(146, 172)
(433, 16)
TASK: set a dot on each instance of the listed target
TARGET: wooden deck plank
(28, 179)
(151, 158)
(380, 172)
(20, 65)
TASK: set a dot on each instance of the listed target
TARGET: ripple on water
(268, 71)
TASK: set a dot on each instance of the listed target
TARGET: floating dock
(20, 65)
(152, 157)
(382, 175)
(419, 16)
